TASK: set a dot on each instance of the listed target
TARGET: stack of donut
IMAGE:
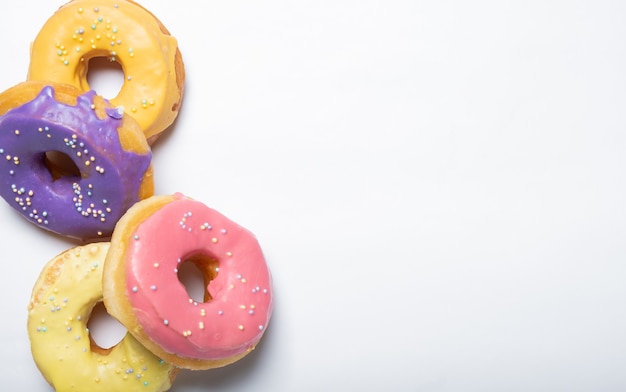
(79, 165)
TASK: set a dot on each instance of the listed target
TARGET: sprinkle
(166, 322)
(136, 237)
(229, 254)
(240, 327)
(201, 325)
(223, 231)
(214, 240)
(261, 327)
(135, 289)
(153, 288)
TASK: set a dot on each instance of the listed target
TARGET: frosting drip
(85, 206)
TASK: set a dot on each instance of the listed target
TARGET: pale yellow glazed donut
(67, 290)
(121, 31)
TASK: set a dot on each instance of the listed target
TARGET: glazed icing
(124, 32)
(69, 287)
(235, 317)
(85, 206)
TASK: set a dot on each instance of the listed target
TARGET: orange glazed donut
(122, 31)
(142, 290)
(67, 290)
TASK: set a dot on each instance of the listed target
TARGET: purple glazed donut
(111, 156)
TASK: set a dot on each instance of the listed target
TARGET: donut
(124, 32)
(110, 156)
(142, 290)
(67, 290)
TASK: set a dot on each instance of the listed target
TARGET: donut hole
(195, 273)
(105, 76)
(60, 165)
(104, 331)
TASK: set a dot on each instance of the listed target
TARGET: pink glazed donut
(142, 289)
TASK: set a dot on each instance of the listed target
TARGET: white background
(439, 188)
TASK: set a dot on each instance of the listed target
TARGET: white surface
(438, 186)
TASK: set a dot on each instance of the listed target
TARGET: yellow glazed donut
(66, 292)
(121, 31)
